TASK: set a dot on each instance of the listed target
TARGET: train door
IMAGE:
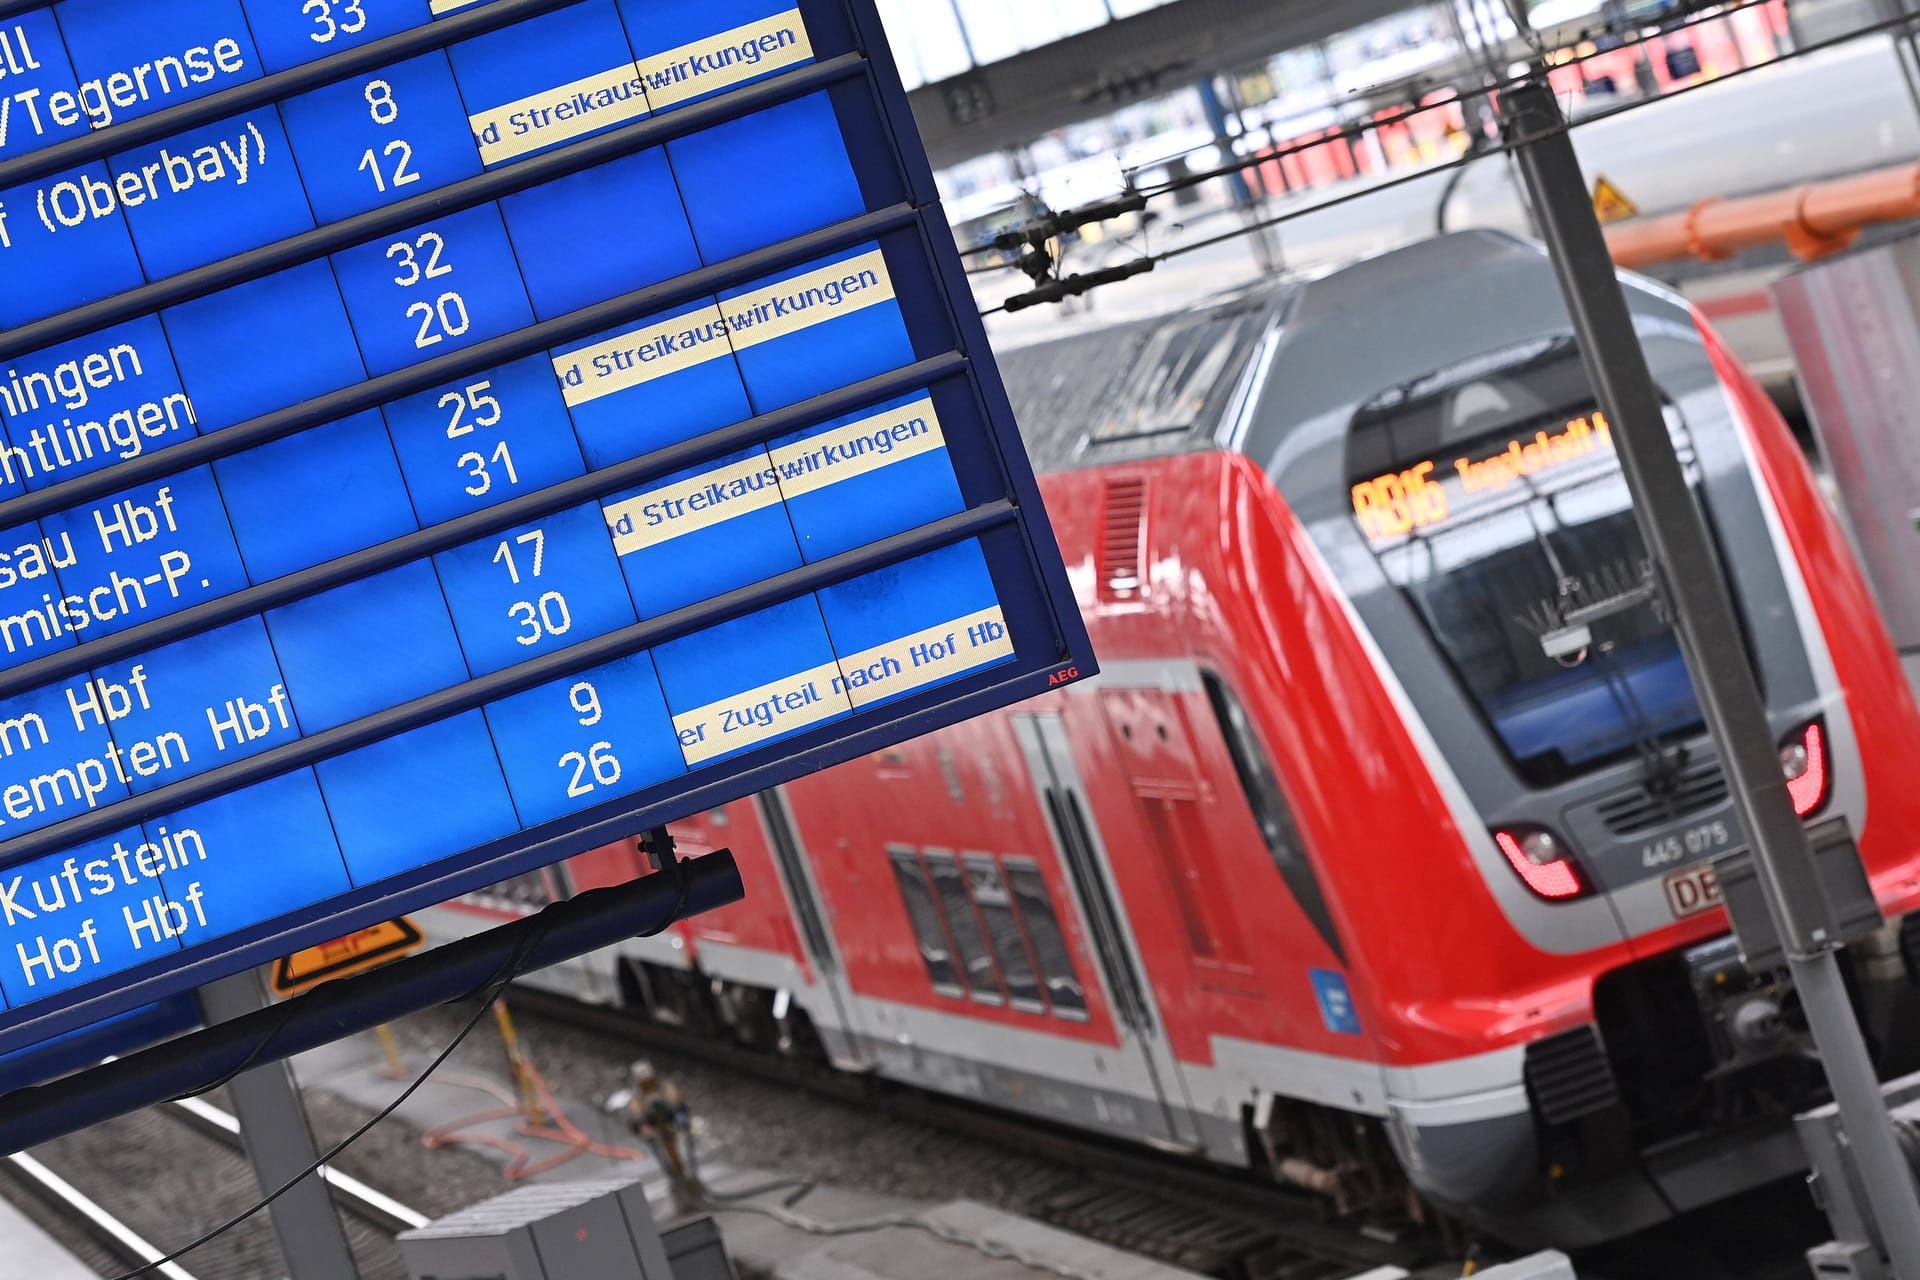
(1056, 780)
(834, 1020)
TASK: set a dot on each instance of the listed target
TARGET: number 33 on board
(352, 20)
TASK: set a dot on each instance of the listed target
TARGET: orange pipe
(1812, 220)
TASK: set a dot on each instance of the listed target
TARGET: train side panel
(756, 938)
(1246, 960)
(969, 963)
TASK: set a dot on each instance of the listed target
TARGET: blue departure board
(438, 436)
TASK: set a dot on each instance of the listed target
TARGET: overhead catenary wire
(1503, 146)
(1359, 129)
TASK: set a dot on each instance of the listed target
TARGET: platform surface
(31, 1254)
(964, 1239)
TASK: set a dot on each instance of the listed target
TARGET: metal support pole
(1237, 185)
(1676, 536)
(279, 1145)
(1906, 47)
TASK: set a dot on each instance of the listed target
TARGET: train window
(925, 918)
(950, 890)
(1271, 815)
(1182, 374)
(1491, 495)
(1003, 932)
(1035, 907)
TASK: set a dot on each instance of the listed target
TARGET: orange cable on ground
(1812, 220)
(563, 1129)
(536, 1100)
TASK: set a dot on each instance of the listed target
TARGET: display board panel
(438, 437)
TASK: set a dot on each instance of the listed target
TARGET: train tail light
(1543, 861)
(1803, 757)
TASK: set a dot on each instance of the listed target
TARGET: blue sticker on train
(1336, 1001)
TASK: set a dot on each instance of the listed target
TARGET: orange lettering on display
(1582, 437)
(1395, 504)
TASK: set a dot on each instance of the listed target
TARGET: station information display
(443, 435)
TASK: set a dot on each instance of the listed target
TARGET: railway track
(1160, 1205)
(102, 1200)
(105, 1242)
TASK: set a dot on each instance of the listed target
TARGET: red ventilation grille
(1122, 549)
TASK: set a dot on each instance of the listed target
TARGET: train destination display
(439, 436)
(1391, 506)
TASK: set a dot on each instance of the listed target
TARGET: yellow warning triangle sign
(1611, 204)
(356, 953)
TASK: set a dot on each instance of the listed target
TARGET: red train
(1375, 856)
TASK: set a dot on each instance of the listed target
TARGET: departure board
(438, 436)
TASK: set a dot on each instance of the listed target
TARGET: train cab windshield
(1491, 496)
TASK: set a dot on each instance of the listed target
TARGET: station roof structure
(1008, 101)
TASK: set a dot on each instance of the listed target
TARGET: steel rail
(378, 1208)
(96, 1220)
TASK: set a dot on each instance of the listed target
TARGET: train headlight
(1543, 861)
(1803, 758)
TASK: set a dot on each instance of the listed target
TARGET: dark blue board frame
(939, 356)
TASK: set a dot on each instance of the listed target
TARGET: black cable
(1819, 46)
(1330, 203)
(507, 972)
(286, 1016)
(509, 969)
(1453, 184)
(802, 1185)
(344, 1143)
(1360, 129)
